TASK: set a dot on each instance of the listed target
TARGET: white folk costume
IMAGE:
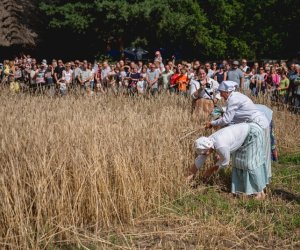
(241, 109)
(244, 142)
(268, 134)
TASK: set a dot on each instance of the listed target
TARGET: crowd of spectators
(278, 81)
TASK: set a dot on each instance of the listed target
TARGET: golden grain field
(74, 168)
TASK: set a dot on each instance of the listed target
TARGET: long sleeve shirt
(212, 90)
(241, 109)
(226, 141)
(267, 111)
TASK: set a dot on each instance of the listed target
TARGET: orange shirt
(182, 81)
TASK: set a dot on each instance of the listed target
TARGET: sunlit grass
(108, 172)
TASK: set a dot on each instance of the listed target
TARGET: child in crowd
(141, 85)
(63, 88)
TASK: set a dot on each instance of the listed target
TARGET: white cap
(227, 86)
(202, 144)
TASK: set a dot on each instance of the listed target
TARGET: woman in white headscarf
(244, 143)
(241, 109)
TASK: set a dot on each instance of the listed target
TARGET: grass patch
(277, 216)
(290, 159)
(286, 176)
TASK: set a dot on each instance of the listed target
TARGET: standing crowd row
(278, 81)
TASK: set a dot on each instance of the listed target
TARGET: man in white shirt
(152, 80)
(244, 66)
(166, 76)
(84, 78)
(244, 143)
(105, 73)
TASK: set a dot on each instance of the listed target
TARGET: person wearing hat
(44, 62)
(235, 74)
(241, 109)
(243, 145)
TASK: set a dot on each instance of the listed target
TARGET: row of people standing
(277, 80)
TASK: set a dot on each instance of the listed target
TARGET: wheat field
(90, 172)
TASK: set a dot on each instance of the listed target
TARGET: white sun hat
(227, 86)
(202, 144)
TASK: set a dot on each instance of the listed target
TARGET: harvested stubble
(76, 166)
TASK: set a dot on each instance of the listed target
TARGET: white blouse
(195, 85)
(240, 109)
(226, 140)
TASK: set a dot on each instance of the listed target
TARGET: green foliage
(211, 28)
(70, 15)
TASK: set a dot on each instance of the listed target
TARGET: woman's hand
(190, 178)
(208, 125)
(209, 172)
(191, 173)
(217, 158)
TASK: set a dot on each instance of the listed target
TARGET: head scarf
(202, 144)
(227, 86)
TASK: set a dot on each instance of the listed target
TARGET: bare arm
(242, 83)
(241, 74)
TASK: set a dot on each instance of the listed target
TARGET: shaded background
(93, 29)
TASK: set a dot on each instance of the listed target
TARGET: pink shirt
(276, 79)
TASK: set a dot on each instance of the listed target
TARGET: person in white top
(241, 109)
(243, 144)
(205, 87)
(204, 93)
(105, 73)
(68, 74)
(244, 66)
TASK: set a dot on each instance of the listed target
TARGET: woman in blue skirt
(243, 144)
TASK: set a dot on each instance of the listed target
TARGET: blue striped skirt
(249, 170)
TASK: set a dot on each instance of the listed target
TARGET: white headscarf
(227, 86)
(202, 144)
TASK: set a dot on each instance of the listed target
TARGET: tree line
(204, 28)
